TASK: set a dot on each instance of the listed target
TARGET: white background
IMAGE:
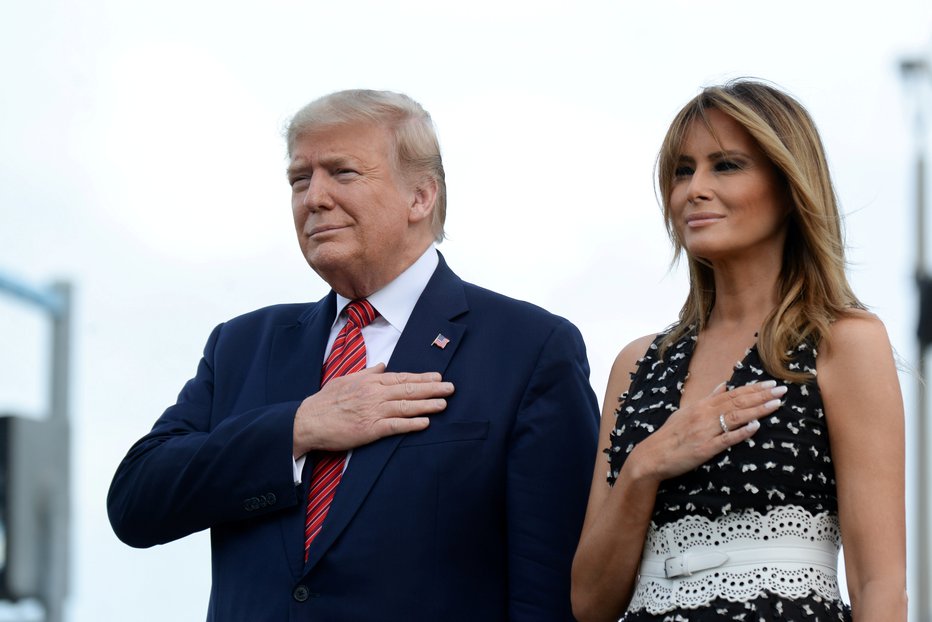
(141, 158)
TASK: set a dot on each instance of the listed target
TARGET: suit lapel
(297, 353)
(442, 301)
(294, 371)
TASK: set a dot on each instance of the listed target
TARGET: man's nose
(317, 196)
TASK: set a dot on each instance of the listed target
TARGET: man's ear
(425, 196)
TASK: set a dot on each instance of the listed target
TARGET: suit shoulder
(273, 315)
(482, 300)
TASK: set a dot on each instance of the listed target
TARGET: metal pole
(915, 72)
(59, 508)
(922, 457)
(61, 351)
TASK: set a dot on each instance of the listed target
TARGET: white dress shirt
(394, 302)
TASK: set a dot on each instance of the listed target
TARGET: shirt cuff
(298, 465)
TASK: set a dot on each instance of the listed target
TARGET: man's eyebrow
(297, 165)
(328, 161)
(336, 160)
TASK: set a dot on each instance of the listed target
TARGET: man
(334, 492)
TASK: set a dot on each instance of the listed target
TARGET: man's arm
(550, 465)
(198, 467)
(186, 475)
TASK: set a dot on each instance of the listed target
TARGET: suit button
(271, 498)
(301, 593)
(251, 504)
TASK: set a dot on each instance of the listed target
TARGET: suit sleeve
(198, 468)
(550, 467)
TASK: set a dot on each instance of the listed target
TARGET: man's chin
(336, 268)
(324, 264)
(326, 255)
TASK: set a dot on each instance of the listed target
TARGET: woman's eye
(683, 171)
(727, 165)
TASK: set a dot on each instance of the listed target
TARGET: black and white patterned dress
(784, 470)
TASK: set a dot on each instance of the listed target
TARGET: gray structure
(35, 470)
(917, 77)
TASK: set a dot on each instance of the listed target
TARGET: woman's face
(727, 201)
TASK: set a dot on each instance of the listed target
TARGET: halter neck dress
(782, 476)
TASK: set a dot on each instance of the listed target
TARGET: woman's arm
(609, 551)
(864, 411)
(617, 518)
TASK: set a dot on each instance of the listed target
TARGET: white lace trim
(782, 527)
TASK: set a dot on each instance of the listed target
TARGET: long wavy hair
(813, 287)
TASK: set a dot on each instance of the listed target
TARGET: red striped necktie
(347, 356)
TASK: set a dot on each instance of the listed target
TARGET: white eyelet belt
(823, 554)
(691, 562)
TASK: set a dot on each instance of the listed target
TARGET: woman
(731, 485)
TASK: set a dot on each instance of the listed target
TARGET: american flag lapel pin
(440, 341)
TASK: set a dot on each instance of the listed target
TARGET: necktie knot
(361, 313)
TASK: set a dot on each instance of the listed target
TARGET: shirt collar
(395, 302)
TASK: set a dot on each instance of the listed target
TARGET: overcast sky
(141, 158)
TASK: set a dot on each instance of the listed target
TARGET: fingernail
(753, 425)
(778, 391)
(772, 404)
(768, 384)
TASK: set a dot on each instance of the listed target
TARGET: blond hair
(813, 287)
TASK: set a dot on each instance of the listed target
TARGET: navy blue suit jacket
(475, 518)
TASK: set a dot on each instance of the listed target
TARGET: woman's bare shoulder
(857, 333)
(626, 363)
(633, 352)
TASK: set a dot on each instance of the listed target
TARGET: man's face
(354, 214)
